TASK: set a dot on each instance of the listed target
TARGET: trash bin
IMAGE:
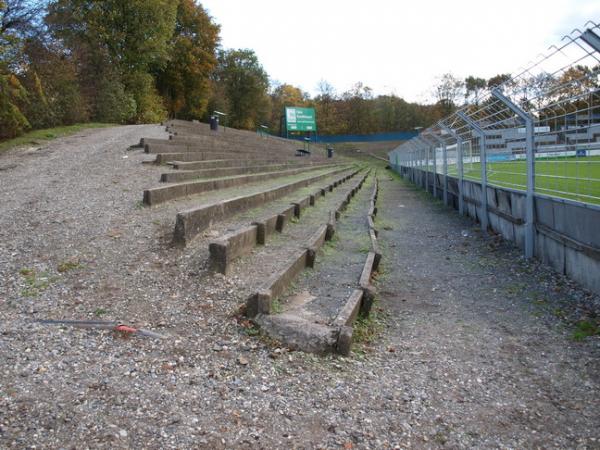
(330, 152)
(214, 123)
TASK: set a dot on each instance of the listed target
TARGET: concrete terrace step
(305, 208)
(213, 147)
(192, 221)
(155, 196)
(226, 163)
(316, 314)
(186, 175)
(163, 158)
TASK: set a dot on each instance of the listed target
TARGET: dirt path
(472, 355)
(490, 363)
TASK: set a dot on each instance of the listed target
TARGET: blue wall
(377, 137)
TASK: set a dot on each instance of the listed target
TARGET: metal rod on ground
(530, 190)
(103, 325)
(482, 157)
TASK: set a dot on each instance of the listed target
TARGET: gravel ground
(472, 354)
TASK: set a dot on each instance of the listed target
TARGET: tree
(130, 38)
(185, 81)
(448, 91)
(473, 86)
(245, 84)
(37, 108)
(285, 95)
(325, 105)
(12, 121)
(498, 80)
(357, 113)
(59, 79)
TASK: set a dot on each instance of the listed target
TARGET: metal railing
(537, 132)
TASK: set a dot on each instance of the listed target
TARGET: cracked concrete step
(155, 196)
(190, 222)
(225, 251)
(323, 301)
(186, 175)
(268, 259)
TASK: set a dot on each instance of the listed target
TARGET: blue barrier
(376, 137)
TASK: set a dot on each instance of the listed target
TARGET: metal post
(459, 142)
(482, 157)
(530, 192)
(425, 151)
(434, 152)
(444, 167)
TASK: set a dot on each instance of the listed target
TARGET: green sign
(300, 119)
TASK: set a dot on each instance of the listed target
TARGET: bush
(12, 120)
(150, 107)
(113, 103)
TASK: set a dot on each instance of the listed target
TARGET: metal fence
(537, 132)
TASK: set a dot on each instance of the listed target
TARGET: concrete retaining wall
(566, 238)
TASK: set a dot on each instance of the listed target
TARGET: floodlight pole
(530, 154)
(444, 166)
(482, 159)
(459, 143)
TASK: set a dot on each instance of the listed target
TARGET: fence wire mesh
(538, 131)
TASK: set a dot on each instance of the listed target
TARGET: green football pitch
(575, 178)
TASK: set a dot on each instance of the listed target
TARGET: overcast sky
(395, 46)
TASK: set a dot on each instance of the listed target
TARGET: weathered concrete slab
(300, 205)
(314, 243)
(285, 216)
(155, 196)
(350, 310)
(582, 268)
(225, 250)
(186, 175)
(298, 333)
(163, 158)
(192, 221)
(365, 284)
(265, 228)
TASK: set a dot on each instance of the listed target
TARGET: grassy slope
(38, 137)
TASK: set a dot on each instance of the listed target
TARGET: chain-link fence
(537, 133)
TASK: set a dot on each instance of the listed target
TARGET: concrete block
(550, 252)
(260, 302)
(344, 342)
(583, 269)
(265, 227)
(375, 249)
(365, 276)
(299, 334)
(316, 241)
(281, 280)
(230, 247)
(285, 216)
(330, 226)
(578, 222)
(350, 310)
(301, 205)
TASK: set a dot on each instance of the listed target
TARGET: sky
(394, 47)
